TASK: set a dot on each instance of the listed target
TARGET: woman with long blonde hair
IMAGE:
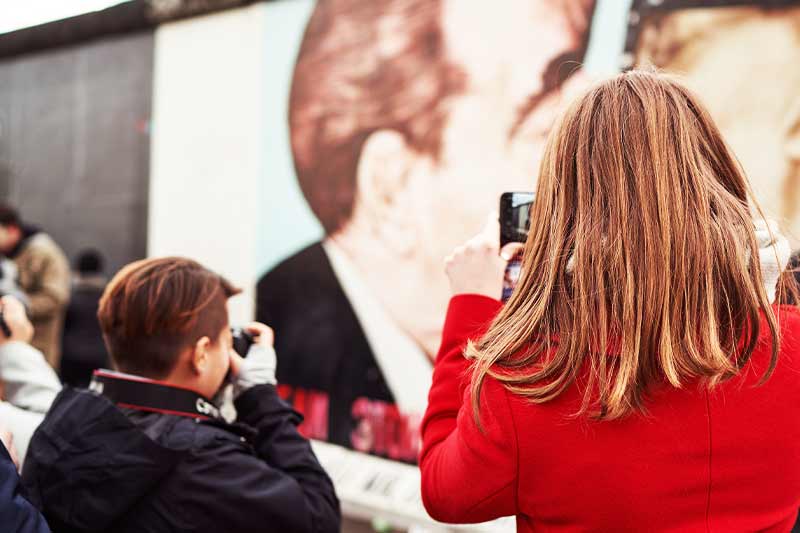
(643, 376)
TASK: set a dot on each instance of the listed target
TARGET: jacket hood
(88, 465)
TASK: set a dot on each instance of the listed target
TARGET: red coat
(726, 460)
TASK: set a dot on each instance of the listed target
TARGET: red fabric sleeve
(468, 475)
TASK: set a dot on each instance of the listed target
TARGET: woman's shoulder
(788, 362)
(789, 328)
(789, 314)
(788, 317)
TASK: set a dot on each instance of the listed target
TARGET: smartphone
(515, 222)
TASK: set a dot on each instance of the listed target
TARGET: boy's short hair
(154, 309)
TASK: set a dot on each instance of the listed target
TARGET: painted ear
(384, 194)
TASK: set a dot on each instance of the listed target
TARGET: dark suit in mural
(321, 344)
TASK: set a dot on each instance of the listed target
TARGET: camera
(242, 341)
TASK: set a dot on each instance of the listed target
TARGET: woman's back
(725, 459)
(639, 377)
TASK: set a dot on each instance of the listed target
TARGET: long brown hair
(642, 262)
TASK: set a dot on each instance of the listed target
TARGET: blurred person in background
(82, 347)
(44, 277)
(29, 385)
(642, 376)
(145, 449)
(404, 129)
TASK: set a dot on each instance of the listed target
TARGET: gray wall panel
(74, 143)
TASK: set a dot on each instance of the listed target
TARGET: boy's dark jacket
(92, 466)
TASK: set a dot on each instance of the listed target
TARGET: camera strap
(143, 394)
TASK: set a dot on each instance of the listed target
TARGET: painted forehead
(513, 43)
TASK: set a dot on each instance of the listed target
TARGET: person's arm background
(30, 383)
(22, 423)
(53, 289)
(8, 281)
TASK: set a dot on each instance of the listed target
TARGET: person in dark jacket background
(102, 461)
(16, 513)
(82, 348)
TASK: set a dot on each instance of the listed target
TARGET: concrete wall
(74, 143)
(207, 151)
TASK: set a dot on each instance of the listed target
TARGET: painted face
(493, 138)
